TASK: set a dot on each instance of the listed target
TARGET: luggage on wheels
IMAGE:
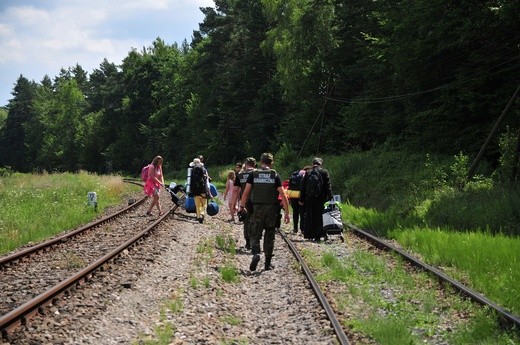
(177, 194)
(332, 223)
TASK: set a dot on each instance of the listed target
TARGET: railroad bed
(172, 282)
(132, 296)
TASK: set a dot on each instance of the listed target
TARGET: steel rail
(21, 314)
(504, 314)
(20, 254)
(338, 329)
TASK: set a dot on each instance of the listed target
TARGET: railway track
(34, 277)
(16, 312)
(506, 316)
(71, 278)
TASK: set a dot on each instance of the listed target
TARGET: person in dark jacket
(315, 191)
(264, 186)
(238, 189)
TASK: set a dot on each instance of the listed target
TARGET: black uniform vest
(264, 190)
(242, 177)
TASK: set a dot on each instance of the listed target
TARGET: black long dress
(314, 206)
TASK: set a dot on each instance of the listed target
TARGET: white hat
(196, 161)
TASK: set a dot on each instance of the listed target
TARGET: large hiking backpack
(314, 183)
(295, 180)
(294, 183)
(197, 181)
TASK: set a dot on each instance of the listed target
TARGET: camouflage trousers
(264, 217)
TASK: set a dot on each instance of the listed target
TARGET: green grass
(231, 320)
(35, 207)
(489, 263)
(392, 306)
(226, 243)
(229, 274)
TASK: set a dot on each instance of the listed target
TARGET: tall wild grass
(404, 195)
(34, 207)
(488, 263)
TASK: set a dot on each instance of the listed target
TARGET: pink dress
(152, 186)
(229, 195)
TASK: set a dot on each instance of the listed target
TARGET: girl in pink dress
(228, 195)
(153, 184)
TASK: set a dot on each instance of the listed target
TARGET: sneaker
(148, 213)
(200, 220)
(254, 262)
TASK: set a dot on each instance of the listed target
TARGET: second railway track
(33, 277)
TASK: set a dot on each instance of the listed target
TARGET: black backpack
(314, 183)
(197, 180)
(295, 180)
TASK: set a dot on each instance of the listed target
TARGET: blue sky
(39, 37)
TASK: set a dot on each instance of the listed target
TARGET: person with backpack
(293, 192)
(314, 192)
(153, 176)
(264, 185)
(199, 188)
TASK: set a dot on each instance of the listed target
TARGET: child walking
(228, 195)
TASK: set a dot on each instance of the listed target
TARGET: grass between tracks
(388, 304)
(34, 207)
(485, 262)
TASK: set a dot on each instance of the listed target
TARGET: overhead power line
(417, 93)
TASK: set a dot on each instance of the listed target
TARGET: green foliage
(226, 244)
(58, 201)
(390, 331)
(390, 304)
(387, 189)
(483, 330)
(231, 320)
(3, 117)
(508, 159)
(493, 209)
(229, 273)
(487, 261)
(5, 171)
(314, 77)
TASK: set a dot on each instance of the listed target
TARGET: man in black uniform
(315, 191)
(264, 185)
(238, 189)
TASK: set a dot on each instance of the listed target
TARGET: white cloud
(42, 38)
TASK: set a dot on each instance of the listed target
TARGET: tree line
(308, 76)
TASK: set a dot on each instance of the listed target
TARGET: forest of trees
(312, 76)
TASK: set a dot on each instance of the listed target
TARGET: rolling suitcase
(332, 223)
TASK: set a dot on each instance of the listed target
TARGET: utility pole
(491, 135)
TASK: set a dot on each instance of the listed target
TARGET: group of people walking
(256, 194)
(198, 185)
(259, 195)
